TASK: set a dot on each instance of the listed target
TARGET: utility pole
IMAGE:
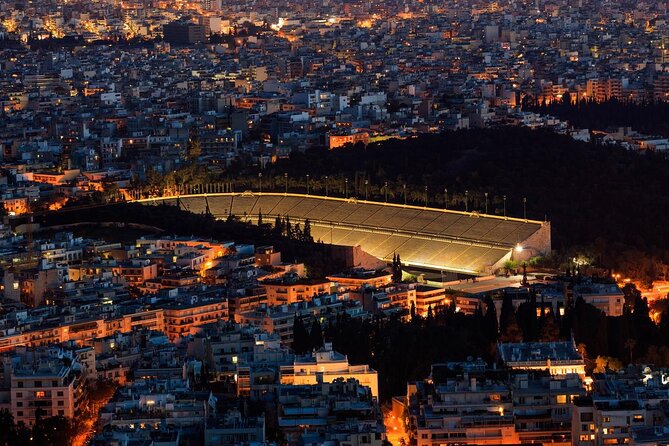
(346, 187)
(385, 186)
(307, 184)
(486, 203)
(326, 185)
(425, 196)
(445, 198)
(466, 201)
(366, 190)
(504, 206)
(404, 189)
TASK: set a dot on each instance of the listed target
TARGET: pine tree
(288, 229)
(413, 311)
(430, 315)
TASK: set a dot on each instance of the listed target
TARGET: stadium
(425, 238)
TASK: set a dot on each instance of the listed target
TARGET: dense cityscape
(340, 223)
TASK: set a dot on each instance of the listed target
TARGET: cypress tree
(306, 232)
(490, 324)
(300, 336)
(316, 335)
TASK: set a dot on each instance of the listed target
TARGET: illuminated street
(394, 428)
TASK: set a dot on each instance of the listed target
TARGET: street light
(326, 185)
(425, 196)
(466, 201)
(285, 178)
(385, 186)
(366, 190)
(260, 181)
(486, 203)
(346, 186)
(525, 208)
(404, 189)
(504, 206)
(445, 198)
(307, 184)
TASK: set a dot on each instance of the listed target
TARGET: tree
(490, 325)
(278, 229)
(630, 344)
(396, 269)
(510, 267)
(507, 314)
(297, 233)
(194, 147)
(512, 333)
(300, 336)
(316, 335)
(52, 431)
(259, 217)
(306, 232)
(549, 329)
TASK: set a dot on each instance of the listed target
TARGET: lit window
(562, 399)
(40, 394)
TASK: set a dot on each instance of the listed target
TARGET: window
(19, 413)
(637, 418)
(20, 384)
(40, 394)
(607, 419)
(562, 399)
(586, 416)
(19, 394)
(59, 393)
(61, 412)
(38, 383)
(584, 437)
(61, 402)
(19, 404)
